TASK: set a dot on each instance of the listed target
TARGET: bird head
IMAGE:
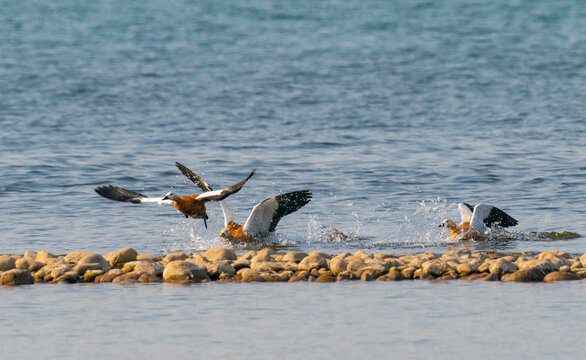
(449, 223)
(170, 196)
(225, 233)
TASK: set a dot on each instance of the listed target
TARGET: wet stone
(175, 256)
(561, 276)
(118, 258)
(392, 275)
(7, 262)
(220, 254)
(524, 276)
(295, 256)
(15, 277)
(109, 276)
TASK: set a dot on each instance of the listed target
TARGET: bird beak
(205, 223)
(165, 198)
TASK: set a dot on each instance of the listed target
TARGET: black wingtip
(119, 194)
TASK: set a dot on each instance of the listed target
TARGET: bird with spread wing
(263, 218)
(189, 205)
(478, 218)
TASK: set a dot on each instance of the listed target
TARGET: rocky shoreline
(219, 264)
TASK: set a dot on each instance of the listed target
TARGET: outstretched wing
(224, 193)
(266, 215)
(466, 212)
(500, 218)
(197, 180)
(120, 194)
(227, 212)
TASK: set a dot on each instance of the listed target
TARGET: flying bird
(478, 218)
(263, 218)
(190, 205)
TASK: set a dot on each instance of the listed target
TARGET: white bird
(478, 218)
(263, 218)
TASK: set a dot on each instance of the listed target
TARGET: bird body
(478, 219)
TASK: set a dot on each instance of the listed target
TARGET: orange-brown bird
(263, 218)
(190, 205)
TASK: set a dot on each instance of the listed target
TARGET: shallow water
(416, 319)
(391, 112)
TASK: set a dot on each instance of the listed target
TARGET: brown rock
(253, 276)
(148, 278)
(241, 263)
(524, 276)
(118, 258)
(263, 255)
(466, 269)
(325, 278)
(354, 263)
(7, 262)
(266, 266)
(95, 259)
(42, 256)
(220, 254)
(180, 270)
(148, 257)
(502, 266)
(435, 267)
(216, 268)
(15, 277)
(74, 256)
(422, 275)
(338, 265)
(128, 277)
(91, 275)
(408, 272)
(493, 276)
(314, 260)
(109, 276)
(198, 259)
(561, 276)
(294, 256)
(376, 270)
(175, 256)
(393, 275)
(368, 275)
(69, 277)
(149, 268)
(28, 264)
(542, 266)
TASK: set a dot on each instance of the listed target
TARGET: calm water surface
(391, 112)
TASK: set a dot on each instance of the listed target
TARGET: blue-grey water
(392, 112)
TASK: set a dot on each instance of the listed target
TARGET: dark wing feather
(500, 218)
(469, 206)
(288, 203)
(119, 194)
(193, 177)
(224, 193)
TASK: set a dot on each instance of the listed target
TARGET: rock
(294, 256)
(175, 256)
(74, 256)
(241, 263)
(148, 278)
(466, 269)
(28, 264)
(557, 253)
(354, 263)
(95, 259)
(501, 267)
(345, 275)
(392, 275)
(561, 276)
(524, 276)
(198, 259)
(368, 275)
(180, 270)
(301, 275)
(286, 275)
(493, 276)
(60, 269)
(564, 268)
(435, 267)
(253, 276)
(263, 255)
(7, 262)
(476, 276)
(149, 268)
(422, 275)
(109, 276)
(266, 266)
(30, 254)
(543, 266)
(91, 275)
(249, 255)
(361, 254)
(69, 277)
(313, 261)
(325, 278)
(216, 268)
(128, 277)
(291, 266)
(16, 277)
(148, 257)
(81, 269)
(376, 270)
(129, 266)
(408, 273)
(389, 263)
(338, 265)
(583, 258)
(118, 258)
(42, 256)
(220, 254)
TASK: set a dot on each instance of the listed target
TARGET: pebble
(118, 258)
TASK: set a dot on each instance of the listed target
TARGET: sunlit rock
(219, 254)
(118, 258)
(15, 277)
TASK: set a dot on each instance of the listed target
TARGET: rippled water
(391, 112)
